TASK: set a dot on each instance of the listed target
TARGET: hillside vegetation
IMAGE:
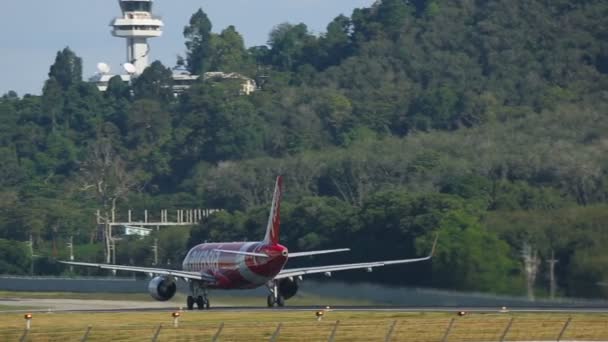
(483, 120)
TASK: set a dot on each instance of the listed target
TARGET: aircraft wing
(149, 270)
(295, 272)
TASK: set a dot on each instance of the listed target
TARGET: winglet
(272, 229)
(434, 245)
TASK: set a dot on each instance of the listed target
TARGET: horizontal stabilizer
(327, 251)
(261, 255)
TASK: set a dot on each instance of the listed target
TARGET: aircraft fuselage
(236, 271)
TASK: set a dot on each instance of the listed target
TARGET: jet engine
(288, 287)
(162, 288)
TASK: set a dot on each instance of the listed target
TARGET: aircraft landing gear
(202, 302)
(190, 302)
(274, 298)
(198, 297)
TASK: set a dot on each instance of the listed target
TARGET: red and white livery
(242, 265)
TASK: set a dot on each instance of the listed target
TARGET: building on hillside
(136, 25)
(183, 79)
(102, 80)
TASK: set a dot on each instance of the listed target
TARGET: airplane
(243, 265)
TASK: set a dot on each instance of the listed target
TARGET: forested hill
(484, 120)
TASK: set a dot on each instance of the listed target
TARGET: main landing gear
(274, 298)
(198, 297)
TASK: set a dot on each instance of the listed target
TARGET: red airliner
(242, 265)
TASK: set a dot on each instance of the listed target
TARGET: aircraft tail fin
(273, 229)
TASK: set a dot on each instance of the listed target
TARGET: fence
(416, 329)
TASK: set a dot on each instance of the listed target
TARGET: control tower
(136, 25)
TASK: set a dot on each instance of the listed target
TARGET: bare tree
(552, 280)
(531, 263)
(105, 175)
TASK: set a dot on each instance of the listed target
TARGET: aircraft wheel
(190, 302)
(200, 302)
(270, 300)
(281, 301)
(207, 303)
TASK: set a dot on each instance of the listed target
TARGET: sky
(31, 32)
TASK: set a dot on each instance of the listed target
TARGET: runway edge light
(175, 316)
(28, 320)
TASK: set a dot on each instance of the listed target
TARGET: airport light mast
(136, 25)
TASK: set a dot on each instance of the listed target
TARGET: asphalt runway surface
(92, 305)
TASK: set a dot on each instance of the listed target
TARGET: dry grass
(302, 326)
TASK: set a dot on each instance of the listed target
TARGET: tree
(218, 123)
(336, 44)
(317, 223)
(11, 173)
(336, 110)
(229, 53)
(290, 45)
(154, 84)
(52, 104)
(14, 257)
(105, 175)
(118, 89)
(392, 14)
(469, 257)
(149, 134)
(438, 108)
(198, 43)
(221, 226)
(67, 69)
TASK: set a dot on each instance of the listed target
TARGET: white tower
(137, 25)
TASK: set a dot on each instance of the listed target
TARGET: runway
(93, 305)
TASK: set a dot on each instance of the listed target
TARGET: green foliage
(14, 257)
(437, 110)
(290, 45)
(154, 83)
(317, 223)
(220, 227)
(219, 124)
(471, 257)
(483, 120)
(229, 54)
(118, 89)
(198, 42)
(67, 69)
(393, 14)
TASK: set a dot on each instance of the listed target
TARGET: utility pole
(155, 250)
(31, 246)
(113, 244)
(71, 248)
(552, 280)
